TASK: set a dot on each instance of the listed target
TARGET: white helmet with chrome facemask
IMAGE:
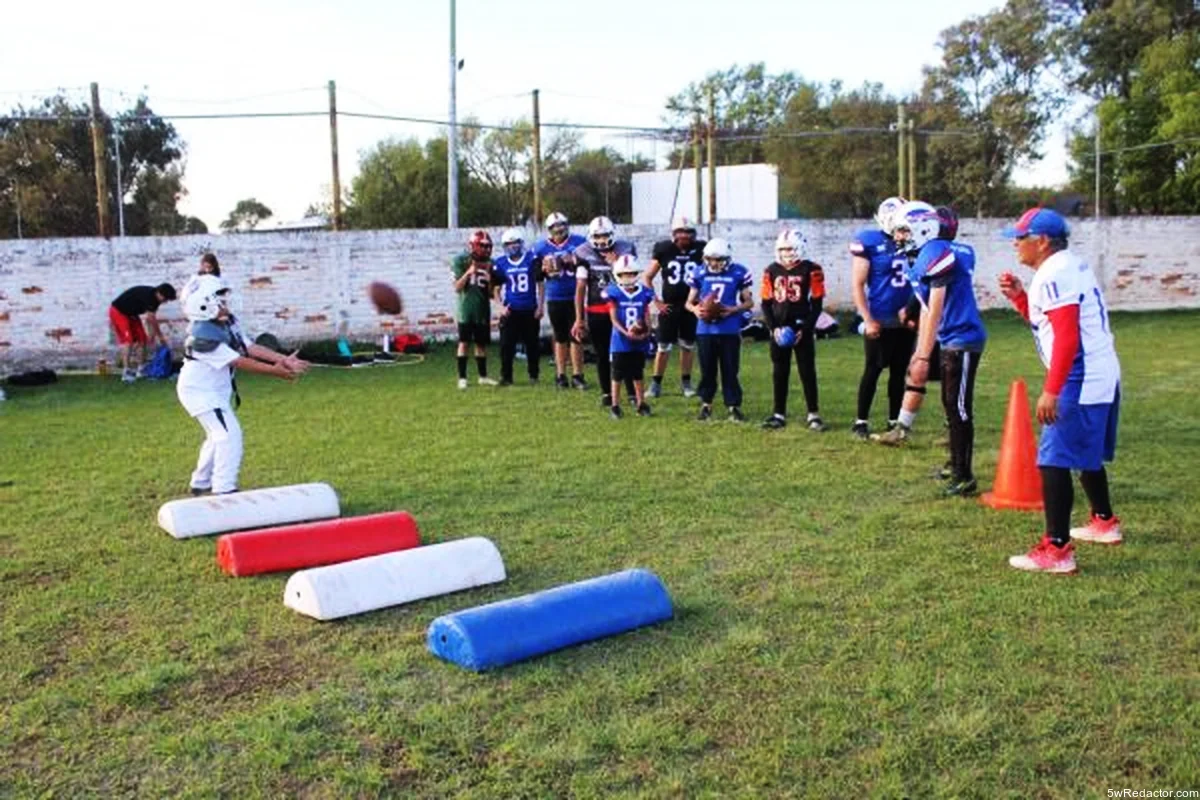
(557, 227)
(208, 297)
(513, 242)
(887, 209)
(791, 248)
(626, 271)
(601, 234)
(717, 255)
(915, 224)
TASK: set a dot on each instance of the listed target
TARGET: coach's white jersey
(1064, 279)
(205, 381)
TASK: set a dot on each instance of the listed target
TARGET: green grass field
(841, 630)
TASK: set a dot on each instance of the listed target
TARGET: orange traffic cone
(1018, 483)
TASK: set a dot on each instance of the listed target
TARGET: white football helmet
(791, 248)
(717, 254)
(556, 226)
(601, 234)
(513, 242)
(883, 216)
(626, 271)
(208, 297)
(914, 224)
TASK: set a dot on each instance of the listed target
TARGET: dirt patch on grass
(269, 669)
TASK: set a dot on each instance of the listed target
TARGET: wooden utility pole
(699, 176)
(333, 157)
(901, 150)
(98, 156)
(712, 163)
(912, 160)
(452, 136)
(537, 160)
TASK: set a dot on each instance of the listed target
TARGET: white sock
(907, 418)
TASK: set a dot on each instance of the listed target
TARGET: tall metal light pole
(452, 141)
(1097, 146)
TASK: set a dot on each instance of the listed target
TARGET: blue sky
(610, 62)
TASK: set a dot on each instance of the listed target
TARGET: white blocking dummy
(259, 508)
(391, 579)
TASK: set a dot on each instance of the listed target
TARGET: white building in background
(745, 191)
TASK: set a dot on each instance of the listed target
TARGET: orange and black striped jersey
(794, 296)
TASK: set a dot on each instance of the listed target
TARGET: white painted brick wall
(54, 293)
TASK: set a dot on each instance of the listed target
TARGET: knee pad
(664, 348)
(908, 387)
(687, 346)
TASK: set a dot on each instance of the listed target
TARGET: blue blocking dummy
(501, 633)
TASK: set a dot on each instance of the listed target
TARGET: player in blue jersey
(556, 254)
(720, 291)
(520, 287)
(593, 274)
(942, 276)
(629, 303)
(881, 290)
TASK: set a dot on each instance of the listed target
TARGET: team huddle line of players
(595, 291)
(912, 285)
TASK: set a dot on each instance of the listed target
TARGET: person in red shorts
(125, 316)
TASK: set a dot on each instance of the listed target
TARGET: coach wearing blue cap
(1081, 397)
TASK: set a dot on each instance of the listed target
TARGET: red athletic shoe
(1047, 557)
(1100, 531)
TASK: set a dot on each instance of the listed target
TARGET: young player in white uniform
(214, 349)
(1081, 399)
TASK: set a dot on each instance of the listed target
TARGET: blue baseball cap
(1038, 222)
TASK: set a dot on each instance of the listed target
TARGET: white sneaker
(488, 382)
(3, 397)
(128, 377)
(1100, 531)
(462, 383)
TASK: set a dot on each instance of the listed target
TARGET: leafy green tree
(246, 216)
(995, 80)
(47, 169)
(1151, 135)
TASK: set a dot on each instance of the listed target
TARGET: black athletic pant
(519, 326)
(806, 365)
(1059, 494)
(722, 352)
(600, 335)
(958, 398)
(891, 351)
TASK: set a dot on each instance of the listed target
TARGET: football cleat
(615, 412)
(198, 491)
(774, 422)
(1100, 531)
(816, 424)
(462, 383)
(966, 488)
(655, 389)
(606, 400)
(896, 437)
(577, 382)
(705, 413)
(736, 415)
(561, 382)
(487, 382)
(644, 410)
(861, 431)
(688, 391)
(1047, 557)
